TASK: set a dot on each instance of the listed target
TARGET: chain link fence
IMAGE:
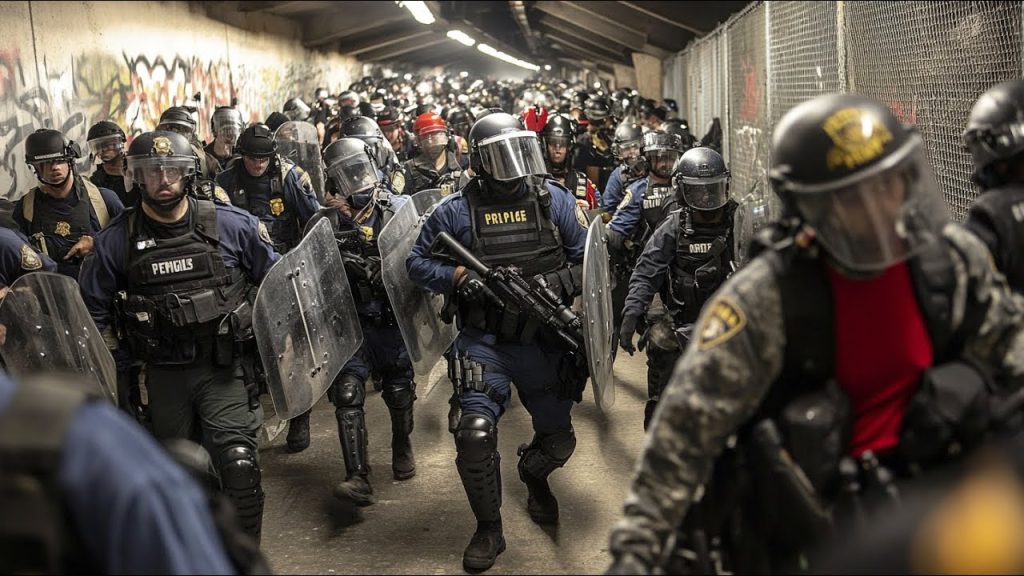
(929, 61)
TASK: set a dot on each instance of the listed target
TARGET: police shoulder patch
(29, 259)
(265, 234)
(581, 217)
(220, 195)
(398, 181)
(627, 199)
(723, 320)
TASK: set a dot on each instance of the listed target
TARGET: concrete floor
(422, 525)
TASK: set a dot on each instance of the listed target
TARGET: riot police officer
(390, 122)
(816, 394)
(179, 119)
(360, 206)
(175, 276)
(595, 155)
(459, 122)
(270, 187)
(558, 137)
(436, 165)
(995, 139)
(365, 129)
(65, 212)
(296, 109)
(506, 216)
(626, 145)
(686, 259)
(106, 142)
(226, 124)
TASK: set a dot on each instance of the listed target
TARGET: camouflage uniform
(736, 356)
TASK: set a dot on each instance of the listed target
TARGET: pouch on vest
(198, 308)
(948, 414)
(818, 429)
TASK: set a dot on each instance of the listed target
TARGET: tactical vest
(46, 223)
(700, 265)
(363, 246)
(518, 233)
(1004, 209)
(281, 222)
(659, 200)
(179, 289)
(37, 534)
(423, 176)
(577, 183)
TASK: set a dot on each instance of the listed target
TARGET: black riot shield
(305, 322)
(417, 312)
(598, 329)
(298, 142)
(46, 328)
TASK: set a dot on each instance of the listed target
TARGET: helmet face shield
(151, 173)
(882, 219)
(662, 161)
(353, 174)
(512, 155)
(229, 133)
(177, 127)
(707, 195)
(107, 147)
(626, 150)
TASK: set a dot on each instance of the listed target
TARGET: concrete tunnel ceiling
(581, 35)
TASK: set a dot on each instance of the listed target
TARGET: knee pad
(239, 469)
(399, 397)
(560, 445)
(661, 338)
(547, 452)
(476, 438)
(349, 392)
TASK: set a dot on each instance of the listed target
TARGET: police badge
(277, 206)
(62, 229)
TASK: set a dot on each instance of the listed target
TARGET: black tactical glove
(626, 333)
(616, 241)
(473, 289)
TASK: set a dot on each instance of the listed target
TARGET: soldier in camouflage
(866, 230)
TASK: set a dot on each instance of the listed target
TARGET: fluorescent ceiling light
(486, 49)
(419, 11)
(461, 37)
(547, 66)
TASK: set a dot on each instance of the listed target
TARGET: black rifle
(540, 302)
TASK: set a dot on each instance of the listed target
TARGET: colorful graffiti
(132, 91)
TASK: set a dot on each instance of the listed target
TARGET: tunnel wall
(67, 65)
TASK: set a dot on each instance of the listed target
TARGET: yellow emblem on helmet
(162, 146)
(859, 138)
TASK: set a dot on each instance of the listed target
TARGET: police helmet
(502, 149)
(160, 157)
(105, 136)
(349, 98)
(679, 127)
(350, 167)
(460, 121)
(275, 119)
(662, 151)
(859, 178)
(389, 117)
(227, 123)
(627, 140)
(346, 112)
(46, 144)
(701, 179)
(257, 141)
(296, 109)
(560, 129)
(995, 131)
(596, 108)
(368, 131)
(178, 119)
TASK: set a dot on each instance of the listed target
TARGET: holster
(950, 412)
(572, 376)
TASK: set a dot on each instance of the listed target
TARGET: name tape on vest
(172, 266)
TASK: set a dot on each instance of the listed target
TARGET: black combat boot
(479, 466)
(403, 463)
(352, 432)
(537, 461)
(298, 433)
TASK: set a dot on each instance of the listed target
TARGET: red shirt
(882, 347)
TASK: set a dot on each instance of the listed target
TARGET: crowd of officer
(778, 414)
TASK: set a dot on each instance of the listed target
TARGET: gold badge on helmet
(162, 146)
(858, 137)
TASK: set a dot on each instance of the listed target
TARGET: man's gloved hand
(473, 289)
(616, 241)
(626, 333)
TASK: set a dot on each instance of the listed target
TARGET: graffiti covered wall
(67, 65)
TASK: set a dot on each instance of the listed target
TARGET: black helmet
(368, 131)
(46, 144)
(679, 127)
(227, 121)
(366, 109)
(257, 141)
(105, 136)
(596, 108)
(846, 165)
(662, 151)
(995, 131)
(389, 116)
(346, 112)
(701, 179)
(178, 119)
(296, 109)
(103, 129)
(560, 129)
(350, 167)
(459, 120)
(500, 148)
(166, 156)
(275, 120)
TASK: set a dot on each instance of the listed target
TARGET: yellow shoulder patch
(29, 259)
(723, 320)
(265, 234)
(220, 195)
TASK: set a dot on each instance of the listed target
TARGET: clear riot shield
(417, 311)
(45, 328)
(598, 329)
(298, 142)
(305, 322)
